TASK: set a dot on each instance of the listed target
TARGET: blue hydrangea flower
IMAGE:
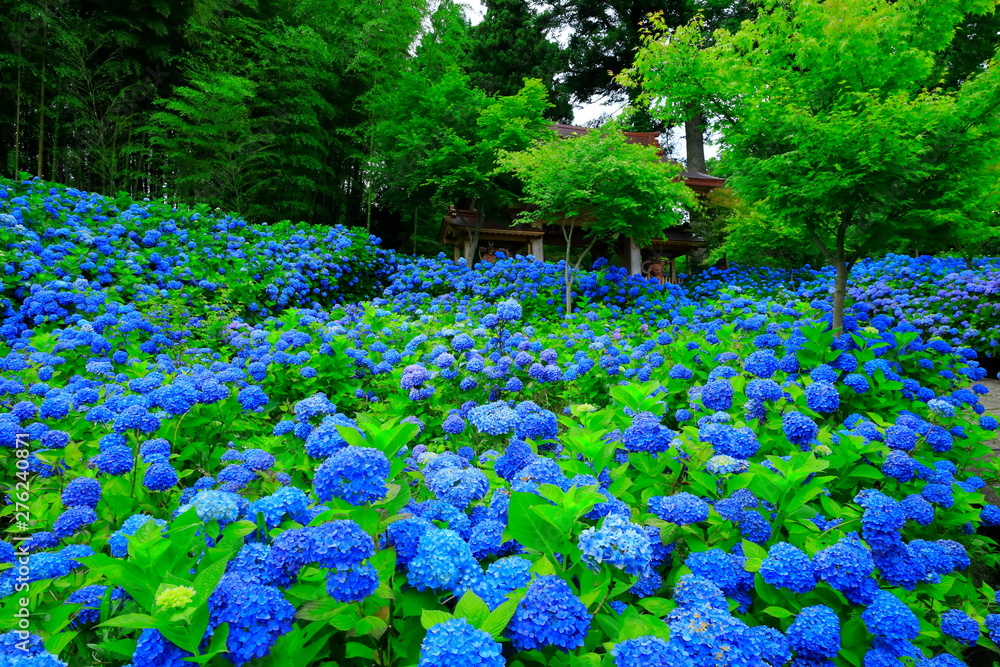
(156, 650)
(899, 466)
(357, 475)
(770, 644)
(405, 535)
(761, 363)
(73, 520)
(221, 506)
(487, 538)
(647, 434)
(456, 642)
(726, 465)
(815, 633)
(798, 428)
(939, 494)
(82, 492)
(501, 578)
(495, 418)
(646, 651)
(443, 562)
(114, 460)
(822, 397)
(453, 424)
(764, 390)
(916, 508)
(353, 584)
(722, 569)
(956, 623)
(901, 437)
(823, 373)
(177, 398)
(414, 376)
(717, 395)
(882, 521)
(788, 566)
(703, 628)
(155, 449)
(549, 615)
(681, 508)
(252, 563)
(887, 653)
(160, 476)
(680, 372)
(848, 566)
(339, 545)
(993, 626)
(857, 382)
(534, 422)
(257, 616)
(887, 616)
(457, 486)
(990, 515)
(509, 310)
(617, 542)
(253, 398)
(516, 457)
(90, 597)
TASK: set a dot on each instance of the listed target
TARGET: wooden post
(536, 249)
(458, 253)
(634, 258)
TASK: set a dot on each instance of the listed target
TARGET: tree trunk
(694, 140)
(41, 120)
(839, 293)
(54, 148)
(568, 279)
(474, 237)
(567, 274)
(17, 107)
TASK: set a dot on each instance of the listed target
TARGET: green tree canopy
(510, 45)
(831, 112)
(601, 186)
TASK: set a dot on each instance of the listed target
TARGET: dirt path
(991, 402)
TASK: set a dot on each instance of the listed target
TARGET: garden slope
(450, 473)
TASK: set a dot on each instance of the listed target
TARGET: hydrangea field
(236, 444)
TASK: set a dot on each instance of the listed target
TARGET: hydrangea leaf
(431, 617)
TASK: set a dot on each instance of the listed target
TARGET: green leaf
(498, 619)
(866, 472)
(472, 607)
(657, 606)
(122, 647)
(431, 617)
(778, 612)
(131, 621)
(528, 525)
(359, 650)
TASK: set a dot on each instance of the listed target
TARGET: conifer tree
(509, 46)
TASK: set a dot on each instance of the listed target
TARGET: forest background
(375, 114)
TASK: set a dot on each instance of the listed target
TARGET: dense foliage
(851, 152)
(436, 469)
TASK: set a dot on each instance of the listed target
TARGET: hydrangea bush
(430, 467)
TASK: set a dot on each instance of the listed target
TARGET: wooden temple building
(504, 233)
